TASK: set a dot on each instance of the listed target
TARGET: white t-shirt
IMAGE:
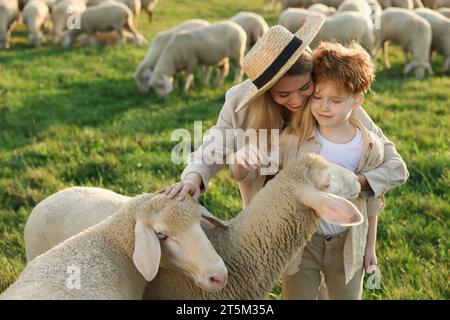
(346, 155)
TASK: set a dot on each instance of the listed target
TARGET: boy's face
(332, 107)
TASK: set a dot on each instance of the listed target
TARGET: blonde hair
(265, 114)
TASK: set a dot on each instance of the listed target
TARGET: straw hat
(274, 54)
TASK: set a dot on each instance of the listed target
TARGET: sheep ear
(333, 209)
(213, 220)
(147, 251)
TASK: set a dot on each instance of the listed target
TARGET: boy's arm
(370, 257)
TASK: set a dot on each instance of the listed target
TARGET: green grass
(75, 117)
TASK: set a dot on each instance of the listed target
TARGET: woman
(279, 69)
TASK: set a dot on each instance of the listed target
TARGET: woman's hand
(370, 259)
(190, 185)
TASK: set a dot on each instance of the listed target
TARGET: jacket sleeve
(393, 171)
(218, 144)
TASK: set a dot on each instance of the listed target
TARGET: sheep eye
(162, 236)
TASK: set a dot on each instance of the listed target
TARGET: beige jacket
(391, 173)
(371, 158)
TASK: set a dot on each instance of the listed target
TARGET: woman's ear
(147, 251)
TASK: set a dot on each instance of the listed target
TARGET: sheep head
(168, 234)
(325, 187)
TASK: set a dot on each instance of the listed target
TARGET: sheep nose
(218, 281)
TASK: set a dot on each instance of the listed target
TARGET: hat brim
(306, 33)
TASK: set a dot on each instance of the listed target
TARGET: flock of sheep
(91, 16)
(119, 242)
(418, 31)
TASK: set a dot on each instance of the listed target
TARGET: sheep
(207, 46)
(149, 7)
(440, 26)
(444, 11)
(355, 5)
(117, 256)
(61, 14)
(108, 16)
(257, 244)
(35, 13)
(253, 24)
(9, 14)
(294, 18)
(345, 27)
(410, 31)
(144, 71)
(321, 8)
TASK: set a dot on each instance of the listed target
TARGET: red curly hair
(348, 68)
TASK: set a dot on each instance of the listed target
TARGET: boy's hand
(370, 259)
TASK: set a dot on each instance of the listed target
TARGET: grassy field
(75, 118)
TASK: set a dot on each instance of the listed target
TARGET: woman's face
(292, 92)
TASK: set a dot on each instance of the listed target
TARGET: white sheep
(253, 24)
(144, 71)
(444, 11)
(345, 27)
(411, 32)
(62, 13)
(35, 14)
(258, 243)
(149, 7)
(108, 16)
(116, 257)
(321, 8)
(294, 18)
(361, 6)
(206, 46)
(9, 14)
(440, 25)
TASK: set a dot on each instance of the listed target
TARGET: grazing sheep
(410, 31)
(108, 16)
(323, 9)
(61, 12)
(144, 71)
(440, 26)
(258, 243)
(253, 24)
(35, 14)
(9, 13)
(207, 46)
(346, 27)
(149, 7)
(355, 5)
(444, 11)
(116, 256)
(294, 18)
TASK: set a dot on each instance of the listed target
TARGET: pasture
(75, 117)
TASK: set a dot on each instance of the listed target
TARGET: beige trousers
(323, 254)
